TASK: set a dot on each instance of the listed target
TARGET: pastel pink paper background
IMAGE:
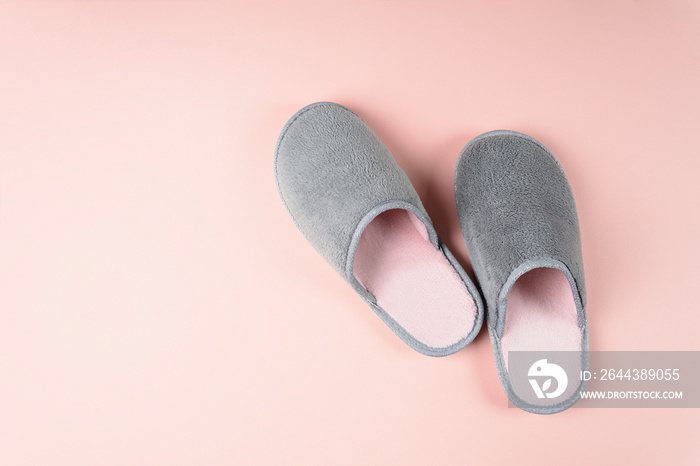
(158, 306)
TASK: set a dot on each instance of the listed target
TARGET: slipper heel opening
(412, 281)
(541, 314)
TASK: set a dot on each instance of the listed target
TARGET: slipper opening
(541, 314)
(412, 281)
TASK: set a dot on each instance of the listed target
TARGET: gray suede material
(517, 212)
(334, 176)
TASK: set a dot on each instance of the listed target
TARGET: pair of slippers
(356, 206)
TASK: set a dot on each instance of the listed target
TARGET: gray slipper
(518, 217)
(358, 209)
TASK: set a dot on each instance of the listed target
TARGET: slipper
(358, 209)
(518, 217)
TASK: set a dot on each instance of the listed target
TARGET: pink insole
(541, 314)
(412, 281)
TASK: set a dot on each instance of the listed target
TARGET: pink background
(158, 306)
